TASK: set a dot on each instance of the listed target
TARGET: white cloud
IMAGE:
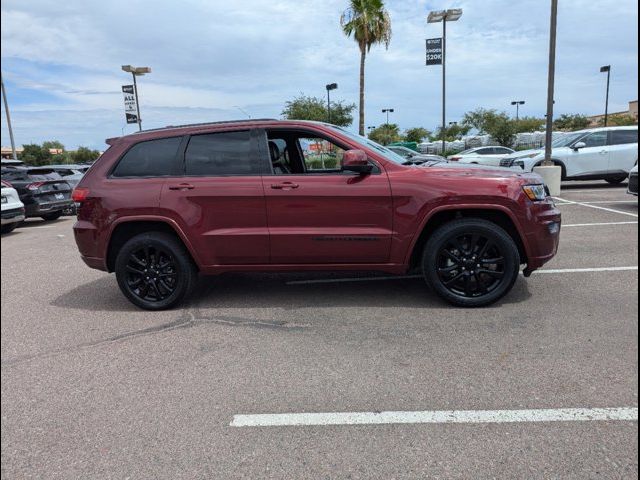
(62, 60)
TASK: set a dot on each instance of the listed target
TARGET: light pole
(444, 16)
(6, 109)
(135, 72)
(551, 82)
(387, 111)
(606, 68)
(329, 87)
(517, 103)
(243, 111)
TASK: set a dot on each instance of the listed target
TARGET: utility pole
(551, 83)
(6, 109)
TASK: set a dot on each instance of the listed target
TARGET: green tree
(84, 155)
(529, 124)
(53, 144)
(34, 154)
(417, 134)
(479, 119)
(497, 124)
(386, 134)
(571, 122)
(619, 121)
(312, 108)
(368, 22)
(452, 132)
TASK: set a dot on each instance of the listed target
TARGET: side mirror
(356, 161)
(579, 145)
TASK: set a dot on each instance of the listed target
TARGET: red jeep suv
(161, 206)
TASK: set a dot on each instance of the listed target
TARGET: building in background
(596, 120)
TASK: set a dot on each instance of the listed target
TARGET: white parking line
(579, 202)
(600, 208)
(437, 416)
(569, 225)
(405, 277)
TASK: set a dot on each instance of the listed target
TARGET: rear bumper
(95, 262)
(38, 209)
(13, 215)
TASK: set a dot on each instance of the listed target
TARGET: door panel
(329, 218)
(225, 217)
(623, 150)
(592, 159)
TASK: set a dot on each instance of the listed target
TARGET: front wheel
(471, 262)
(155, 271)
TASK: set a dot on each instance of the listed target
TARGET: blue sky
(61, 61)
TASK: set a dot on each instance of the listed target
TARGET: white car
(482, 155)
(12, 208)
(632, 189)
(607, 153)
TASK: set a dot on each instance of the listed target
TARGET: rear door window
(624, 137)
(220, 154)
(153, 158)
(597, 139)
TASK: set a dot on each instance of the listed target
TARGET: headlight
(536, 193)
(519, 163)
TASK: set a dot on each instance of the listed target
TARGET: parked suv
(160, 206)
(595, 154)
(44, 193)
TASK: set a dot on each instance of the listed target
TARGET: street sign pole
(444, 82)
(135, 90)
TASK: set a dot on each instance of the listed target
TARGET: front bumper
(543, 237)
(633, 184)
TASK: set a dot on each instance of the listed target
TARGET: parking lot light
(387, 111)
(444, 16)
(517, 103)
(607, 69)
(329, 87)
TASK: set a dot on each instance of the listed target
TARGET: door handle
(182, 186)
(284, 186)
(603, 152)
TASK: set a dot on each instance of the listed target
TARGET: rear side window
(623, 137)
(154, 158)
(227, 153)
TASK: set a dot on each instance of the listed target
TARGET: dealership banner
(130, 107)
(434, 51)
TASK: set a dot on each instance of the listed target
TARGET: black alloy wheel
(471, 262)
(155, 271)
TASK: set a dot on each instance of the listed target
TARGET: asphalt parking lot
(94, 388)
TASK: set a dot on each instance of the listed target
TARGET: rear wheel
(154, 271)
(52, 216)
(471, 262)
(9, 227)
(616, 180)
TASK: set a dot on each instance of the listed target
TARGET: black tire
(52, 216)
(154, 271)
(8, 227)
(457, 249)
(616, 180)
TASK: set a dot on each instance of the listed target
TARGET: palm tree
(368, 22)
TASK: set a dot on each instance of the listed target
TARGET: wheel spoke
(451, 256)
(467, 285)
(492, 273)
(131, 269)
(448, 269)
(453, 280)
(496, 260)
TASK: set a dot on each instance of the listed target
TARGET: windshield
(386, 153)
(566, 140)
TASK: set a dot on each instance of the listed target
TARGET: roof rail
(222, 122)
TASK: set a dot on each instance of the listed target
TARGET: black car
(44, 192)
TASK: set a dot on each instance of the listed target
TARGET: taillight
(80, 194)
(454, 159)
(34, 186)
(6, 184)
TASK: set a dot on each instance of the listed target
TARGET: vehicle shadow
(581, 184)
(263, 290)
